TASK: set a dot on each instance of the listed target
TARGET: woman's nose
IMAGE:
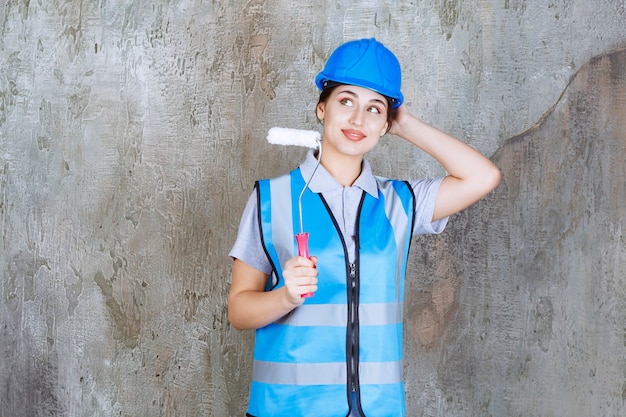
(356, 118)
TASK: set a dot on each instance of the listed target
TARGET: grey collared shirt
(344, 204)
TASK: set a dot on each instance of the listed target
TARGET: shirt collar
(322, 181)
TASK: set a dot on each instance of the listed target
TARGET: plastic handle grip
(303, 250)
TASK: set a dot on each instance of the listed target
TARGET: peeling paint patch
(449, 11)
(431, 319)
(542, 317)
(126, 327)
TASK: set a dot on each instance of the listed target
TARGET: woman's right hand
(300, 276)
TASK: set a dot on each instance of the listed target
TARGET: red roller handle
(303, 250)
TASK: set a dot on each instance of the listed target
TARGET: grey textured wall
(131, 133)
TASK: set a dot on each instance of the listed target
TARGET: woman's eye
(374, 109)
(346, 102)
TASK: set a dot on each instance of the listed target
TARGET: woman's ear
(321, 107)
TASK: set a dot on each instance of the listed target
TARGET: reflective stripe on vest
(307, 347)
(324, 373)
(373, 314)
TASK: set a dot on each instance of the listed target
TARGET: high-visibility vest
(347, 339)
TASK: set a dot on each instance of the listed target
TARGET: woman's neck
(345, 170)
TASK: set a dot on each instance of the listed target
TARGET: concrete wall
(131, 133)
(528, 316)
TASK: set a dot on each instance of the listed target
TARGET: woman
(339, 353)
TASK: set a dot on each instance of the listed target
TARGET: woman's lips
(352, 134)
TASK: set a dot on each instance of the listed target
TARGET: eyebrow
(352, 93)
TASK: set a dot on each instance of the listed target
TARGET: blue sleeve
(425, 195)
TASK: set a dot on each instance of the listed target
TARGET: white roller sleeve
(297, 137)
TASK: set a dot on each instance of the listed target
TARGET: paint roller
(310, 139)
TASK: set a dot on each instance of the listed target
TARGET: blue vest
(347, 339)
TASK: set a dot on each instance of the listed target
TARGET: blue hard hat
(365, 63)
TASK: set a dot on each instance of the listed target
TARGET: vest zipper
(353, 337)
(353, 343)
(352, 331)
(352, 352)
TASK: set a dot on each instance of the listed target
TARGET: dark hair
(330, 86)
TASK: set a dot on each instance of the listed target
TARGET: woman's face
(354, 120)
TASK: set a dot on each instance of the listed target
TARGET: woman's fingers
(300, 276)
